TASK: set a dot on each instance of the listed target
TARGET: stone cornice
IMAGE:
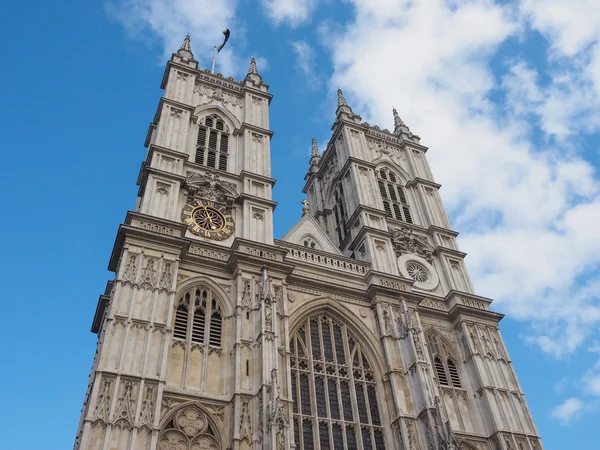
(145, 170)
(258, 254)
(168, 101)
(373, 231)
(175, 243)
(416, 181)
(244, 175)
(255, 129)
(253, 91)
(103, 301)
(154, 148)
(450, 251)
(253, 198)
(441, 230)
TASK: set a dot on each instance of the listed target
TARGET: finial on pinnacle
(304, 206)
(186, 43)
(397, 120)
(341, 99)
(315, 149)
(253, 66)
(186, 49)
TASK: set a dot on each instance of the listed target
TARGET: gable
(307, 232)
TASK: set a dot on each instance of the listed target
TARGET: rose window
(417, 272)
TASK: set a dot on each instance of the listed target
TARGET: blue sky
(506, 94)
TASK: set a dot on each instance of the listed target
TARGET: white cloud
(567, 411)
(305, 56)
(569, 26)
(294, 12)
(528, 215)
(169, 21)
(306, 62)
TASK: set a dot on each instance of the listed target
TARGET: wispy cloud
(169, 21)
(567, 411)
(306, 62)
(294, 12)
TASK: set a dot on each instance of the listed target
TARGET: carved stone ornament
(216, 95)
(130, 271)
(277, 417)
(147, 413)
(125, 409)
(189, 429)
(148, 279)
(245, 423)
(166, 279)
(209, 186)
(104, 400)
(405, 241)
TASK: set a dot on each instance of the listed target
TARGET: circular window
(417, 272)
(420, 270)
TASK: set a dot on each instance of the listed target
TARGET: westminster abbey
(358, 329)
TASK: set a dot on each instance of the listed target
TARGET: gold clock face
(207, 219)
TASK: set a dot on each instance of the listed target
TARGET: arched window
(339, 214)
(392, 194)
(446, 371)
(198, 318)
(333, 389)
(212, 146)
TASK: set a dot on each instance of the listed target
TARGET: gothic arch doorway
(333, 389)
(189, 428)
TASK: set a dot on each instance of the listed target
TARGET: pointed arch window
(198, 318)
(212, 145)
(339, 214)
(333, 389)
(446, 371)
(393, 196)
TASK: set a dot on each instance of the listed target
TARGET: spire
(341, 99)
(397, 120)
(186, 49)
(400, 127)
(315, 149)
(186, 43)
(253, 76)
(253, 66)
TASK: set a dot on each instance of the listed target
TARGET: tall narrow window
(198, 318)
(393, 196)
(333, 389)
(212, 146)
(339, 214)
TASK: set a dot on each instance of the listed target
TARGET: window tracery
(212, 145)
(333, 389)
(393, 196)
(189, 429)
(198, 318)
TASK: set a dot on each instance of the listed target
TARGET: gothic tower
(359, 329)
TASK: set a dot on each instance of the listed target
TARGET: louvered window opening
(198, 318)
(446, 371)
(339, 214)
(212, 146)
(333, 389)
(393, 196)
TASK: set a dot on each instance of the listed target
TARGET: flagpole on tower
(226, 33)
(214, 59)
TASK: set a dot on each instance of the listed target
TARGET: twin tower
(359, 329)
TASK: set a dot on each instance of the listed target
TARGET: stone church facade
(359, 329)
